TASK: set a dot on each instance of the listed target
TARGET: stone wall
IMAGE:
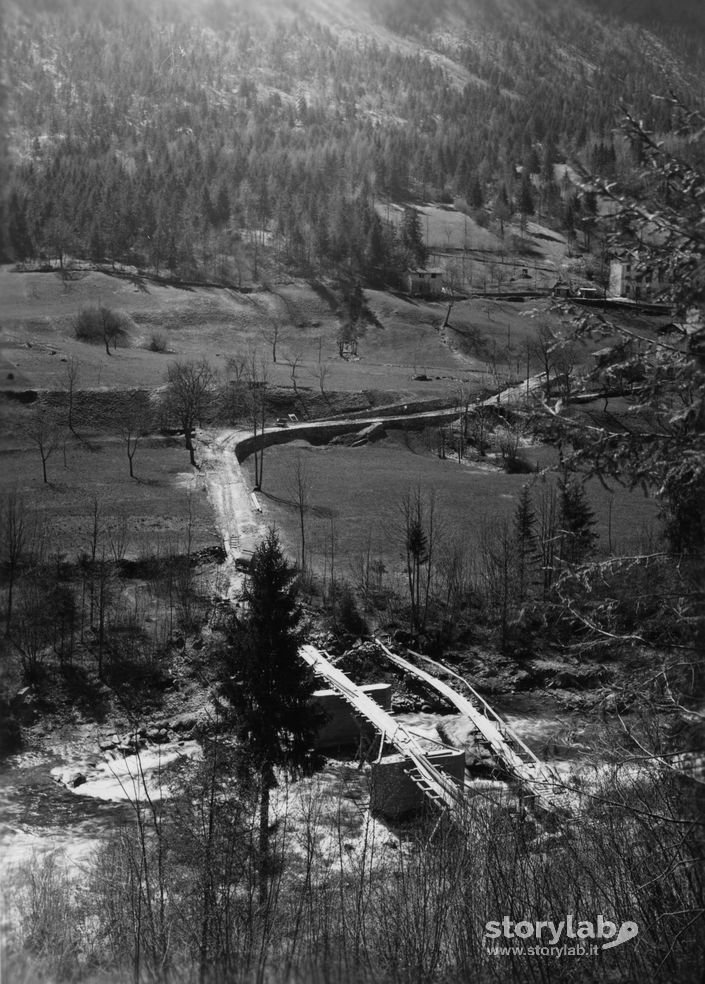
(320, 432)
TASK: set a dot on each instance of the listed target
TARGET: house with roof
(425, 282)
(590, 293)
(631, 278)
(561, 289)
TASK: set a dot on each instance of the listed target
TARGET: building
(629, 278)
(425, 282)
(561, 289)
(590, 293)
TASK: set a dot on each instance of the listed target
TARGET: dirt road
(238, 521)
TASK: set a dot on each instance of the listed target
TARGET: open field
(161, 509)
(358, 490)
(483, 260)
(354, 495)
(402, 338)
(36, 335)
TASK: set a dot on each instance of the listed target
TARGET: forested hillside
(209, 139)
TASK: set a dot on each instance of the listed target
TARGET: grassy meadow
(353, 498)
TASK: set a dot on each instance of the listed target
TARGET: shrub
(347, 614)
(157, 342)
(10, 733)
(482, 218)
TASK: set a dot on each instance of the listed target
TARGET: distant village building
(561, 289)
(628, 278)
(590, 293)
(425, 282)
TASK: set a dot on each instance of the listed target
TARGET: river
(40, 814)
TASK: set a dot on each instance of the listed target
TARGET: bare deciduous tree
(453, 279)
(543, 348)
(133, 429)
(119, 536)
(497, 553)
(273, 337)
(300, 485)
(256, 407)
(72, 372)
(14, 522)
(477, 427)
(320, 372)
(565, 357)
(190, 390)
(45, 434)
(463, 396)
(293, 360)
(235, 391)
(114, 328)
(93, 324)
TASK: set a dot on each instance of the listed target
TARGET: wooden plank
(440, 787)
(496, 733)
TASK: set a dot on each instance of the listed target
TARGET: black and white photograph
(352, 492)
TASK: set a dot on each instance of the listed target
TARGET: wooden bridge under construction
(537, 781)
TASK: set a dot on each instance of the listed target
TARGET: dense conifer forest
(184, 138)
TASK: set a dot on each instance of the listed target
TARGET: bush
(481, 217)
(10, 733)
(157, 342)
(347, 615)
(174, 897)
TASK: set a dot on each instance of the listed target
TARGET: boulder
(24, 706)
(186, 721)
(71, 778)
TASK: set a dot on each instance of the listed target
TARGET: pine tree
(376, 250)
(502, 208)
(576, 522)
(526, 199)
(412, 237)
(270, 687)
(526, 543)
(18, 229)
(475, 196)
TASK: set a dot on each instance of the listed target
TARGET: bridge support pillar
(394, 794)
(342, 726)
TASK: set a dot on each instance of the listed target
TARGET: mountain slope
(194, 136)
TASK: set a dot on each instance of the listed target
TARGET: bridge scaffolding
(535, 776)
(432, 781)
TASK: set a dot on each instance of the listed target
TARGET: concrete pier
(394, 794)
(341, 727)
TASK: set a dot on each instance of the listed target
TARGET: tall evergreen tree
(502, 207)
(526, 198)
(412, 237)
(269, 686)
(576, 522)
(525, 541)
(475, 196)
